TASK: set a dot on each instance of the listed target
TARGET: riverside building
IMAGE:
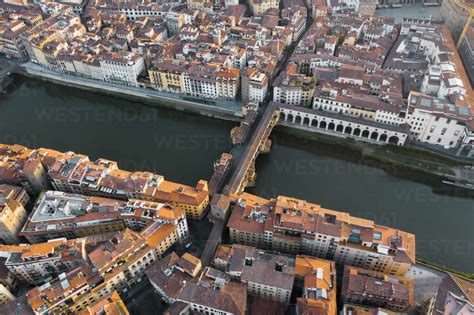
(296, 226)
(38, 170)
(58, 214)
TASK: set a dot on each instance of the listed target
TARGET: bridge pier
(265, 146)
(250, 176)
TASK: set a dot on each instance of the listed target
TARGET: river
(182, 147)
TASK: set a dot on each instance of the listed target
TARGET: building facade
(466, 51)
(33, 264)
(365, 287)
(8, 284)
(13, 200)
(295, 226)
(267, 275)
(38, 170)
(344, 126)
(58, 214)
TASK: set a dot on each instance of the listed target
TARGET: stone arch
(298, 119)
(306, 121)
(348, 130)
(290, 117)
(282, 116)
(340, 128)
(365, 134)
(323, 124)
(383, 137)
(314, 123)
(393, 140)
(331, 126)
(374, 135)
(357, 132)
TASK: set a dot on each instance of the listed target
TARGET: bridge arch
(393, 140)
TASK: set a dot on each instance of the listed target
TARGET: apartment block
(267, 275)
(15, 193)
(11, 41)
(254, 85)
(8, 283)
(121, 261)
(36, 263)
(214, 293)
(115, 263)
(111, 304)
(122, 68)
(168, 275)
(168, 75)
(19, 169)
(74, 292)
(317, 278)
(54, 296)
(58, 214)
(12, 217)
(259, 7)
(293, 89)
(360, 286)
(54, 29)
(296, 226)
(444, 74)
(12, 213)
(437, 121)
(37, 170)
(209, 81)
(212, 81)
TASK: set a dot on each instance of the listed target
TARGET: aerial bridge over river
(241, 174)
(8, 67)
(244, 174)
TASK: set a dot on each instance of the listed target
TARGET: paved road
(426, 282)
